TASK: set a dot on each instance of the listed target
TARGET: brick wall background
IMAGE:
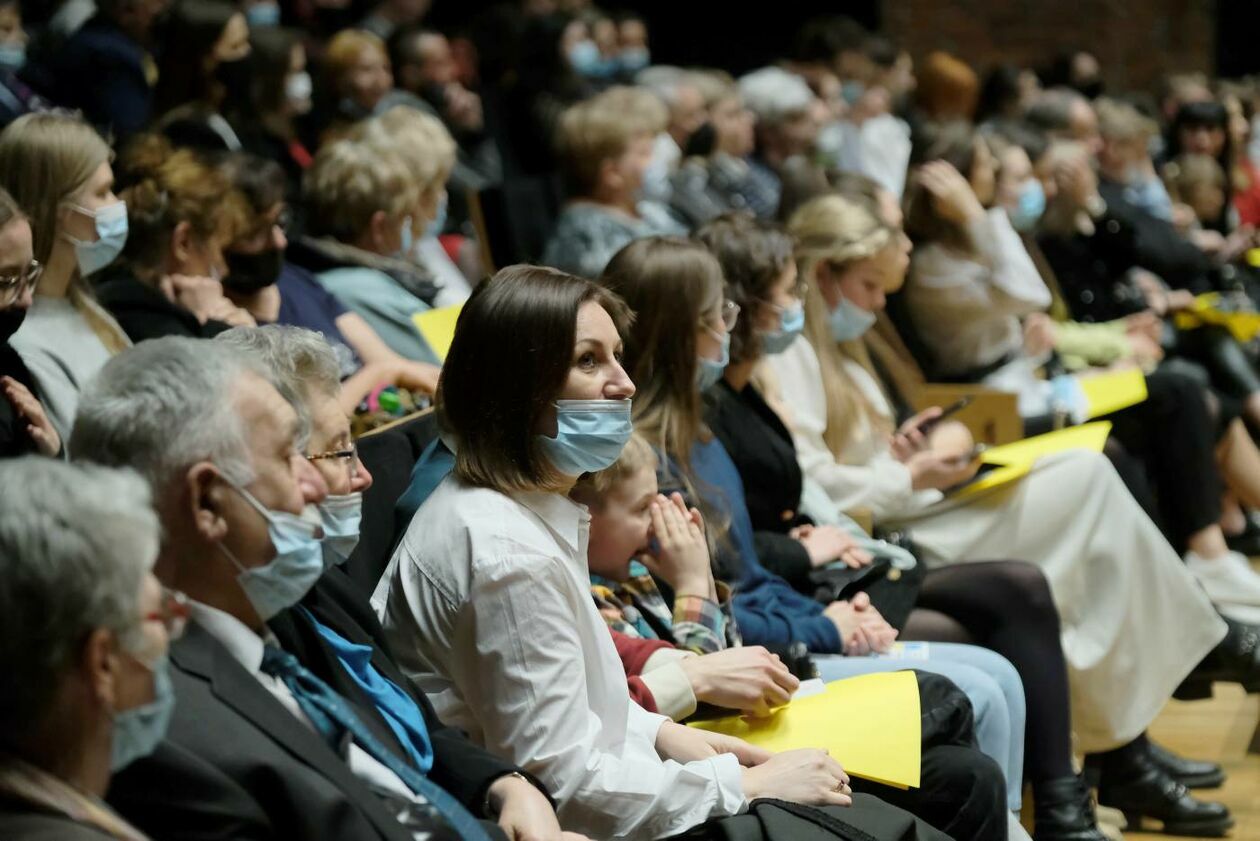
(1136, 40)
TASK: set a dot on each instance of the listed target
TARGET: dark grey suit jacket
(237, 765)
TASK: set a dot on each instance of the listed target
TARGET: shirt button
(787, 516)
(1113, 226)
(1087, 296)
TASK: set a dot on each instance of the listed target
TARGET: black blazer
(761, 447)
(144, 312)
(463, 769)
(237, 765)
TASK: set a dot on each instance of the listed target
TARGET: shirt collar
(245, 646)
(565, 518)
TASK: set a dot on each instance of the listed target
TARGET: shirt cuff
(700, 611)
(671, 689)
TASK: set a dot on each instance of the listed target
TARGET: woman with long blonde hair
(1113, 577)
(57, 168)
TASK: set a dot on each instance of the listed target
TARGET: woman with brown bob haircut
(487, 599)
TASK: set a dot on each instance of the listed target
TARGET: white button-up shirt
(488, 608)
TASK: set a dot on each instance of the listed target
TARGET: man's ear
(207, 499)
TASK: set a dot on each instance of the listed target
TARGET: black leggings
(1006, 606)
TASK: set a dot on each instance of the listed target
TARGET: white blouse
(866, 476)
(967, 309)
(487, 605)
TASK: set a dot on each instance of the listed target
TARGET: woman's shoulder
(478, 524)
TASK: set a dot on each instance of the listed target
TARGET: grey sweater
(63, 353)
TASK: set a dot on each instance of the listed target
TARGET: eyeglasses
(14, 287)
(350, 456)
(729, 315)
(172, 613)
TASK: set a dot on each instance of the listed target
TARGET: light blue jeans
(987, 678)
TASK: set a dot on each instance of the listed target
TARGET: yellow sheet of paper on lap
(1113, 391)
(1016, 460)
(438, 328)
(869, 724)
(1087, 436)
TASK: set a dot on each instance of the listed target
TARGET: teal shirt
(383, 304)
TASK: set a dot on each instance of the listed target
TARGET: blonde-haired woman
(57, 168)
(1114, 578)
(422, 142)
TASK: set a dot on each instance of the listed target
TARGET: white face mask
(298, 89)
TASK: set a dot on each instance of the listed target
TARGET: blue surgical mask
(852, 91)
(634, 59)
(1032, 203)
(111, 232)
(849, 321)
(791, 325)
(12, 57)
(439, 222)
(263, 15)
(585, 57)
(710, 370)
(289, 576)
(407, 239)
(138, 731)
(341, 516)
(590, 435)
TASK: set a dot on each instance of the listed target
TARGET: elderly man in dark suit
(286, 725)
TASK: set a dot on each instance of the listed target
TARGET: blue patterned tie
(332, 717)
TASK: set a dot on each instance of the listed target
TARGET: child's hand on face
(681, 556)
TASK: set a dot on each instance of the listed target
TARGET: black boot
(1191, 773)
(1131, 781)
(1063, 811)
(1235, 660)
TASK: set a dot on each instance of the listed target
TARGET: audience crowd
(679, 458)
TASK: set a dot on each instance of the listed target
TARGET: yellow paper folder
(1113, 391)
(869, 724)
(438, 328)
(1016, 459)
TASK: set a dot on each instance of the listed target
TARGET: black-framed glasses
(15, 286)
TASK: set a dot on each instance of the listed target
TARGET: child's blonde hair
(593, 488)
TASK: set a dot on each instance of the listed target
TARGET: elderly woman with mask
(84, 629)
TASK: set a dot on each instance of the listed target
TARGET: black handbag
(892, 590)
(868, 819)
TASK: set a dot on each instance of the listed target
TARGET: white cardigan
(867, 475)
(967, 309)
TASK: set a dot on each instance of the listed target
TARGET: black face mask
(10, 320)
(235, 77)
(250, 273)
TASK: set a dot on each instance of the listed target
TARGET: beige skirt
(1134, 621)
